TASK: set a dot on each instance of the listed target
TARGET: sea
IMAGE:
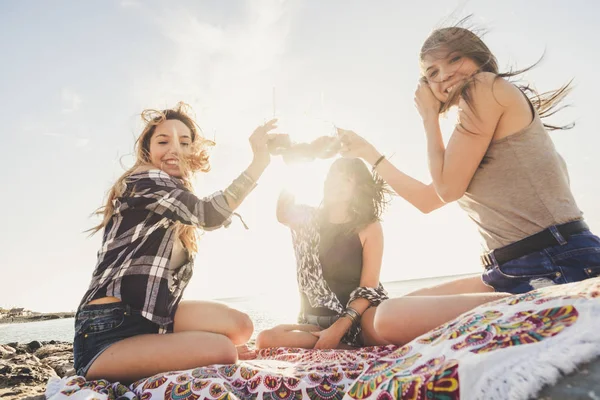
(259, 308)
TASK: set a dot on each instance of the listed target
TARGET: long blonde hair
(444, 41)
(197, 159)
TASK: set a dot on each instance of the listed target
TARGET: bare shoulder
(373, 230)
(482, 106)
(490, 88)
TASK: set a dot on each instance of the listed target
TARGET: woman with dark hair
(339, 248)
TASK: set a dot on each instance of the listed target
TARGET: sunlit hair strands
(195, 159)
(465, 39)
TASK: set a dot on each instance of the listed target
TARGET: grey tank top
(520, 188)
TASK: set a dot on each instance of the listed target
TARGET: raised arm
(420, 195)
(453, 167)
(243, 185)
(156, 191)
(285, 202)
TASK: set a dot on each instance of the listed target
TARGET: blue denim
(98, 326)
(572, 260)
(322, 321)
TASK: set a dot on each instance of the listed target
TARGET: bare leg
(209, 316)
(472, 284)
(204, 333)
(288, 336)
(145, 355)
(403, 319)
(370, 337)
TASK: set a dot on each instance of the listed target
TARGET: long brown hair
(371, 193)
(443, 41)
(197, 159)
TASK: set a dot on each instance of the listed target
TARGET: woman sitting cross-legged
(131, 322)
(339, 248)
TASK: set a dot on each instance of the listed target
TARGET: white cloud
(70, 100)
(222, 68)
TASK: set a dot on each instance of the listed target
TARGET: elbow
(280, 217)
(426, 208)
(449, 194)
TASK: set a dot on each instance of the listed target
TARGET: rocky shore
(26, 368)
(37, 317)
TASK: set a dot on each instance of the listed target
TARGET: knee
(225, 351)
(265, 339)
(206, 348)
(386, 322)
(243, 328)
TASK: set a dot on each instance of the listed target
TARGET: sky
(75, 75)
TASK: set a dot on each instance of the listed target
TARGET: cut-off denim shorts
(322, 321)
(98, 326)
(572, 260)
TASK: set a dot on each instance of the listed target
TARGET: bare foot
(245, 353)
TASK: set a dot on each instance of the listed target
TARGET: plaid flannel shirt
(133, 263)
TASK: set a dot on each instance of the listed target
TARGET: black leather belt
(533, 243)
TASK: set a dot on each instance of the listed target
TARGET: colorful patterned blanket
(508, 349)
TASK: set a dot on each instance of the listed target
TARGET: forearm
(435, 151)
(243, 185)
(360, 305)
(420, 195)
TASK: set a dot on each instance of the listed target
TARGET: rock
(33, 346)
(60, 364)
(6, 351)
(26, 368)
(55, 350)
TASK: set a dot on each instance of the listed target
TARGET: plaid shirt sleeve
(158, 192)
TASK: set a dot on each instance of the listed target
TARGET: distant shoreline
(36, 318)
(412, 280)
(61, 315)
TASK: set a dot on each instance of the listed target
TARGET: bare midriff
(105, 300)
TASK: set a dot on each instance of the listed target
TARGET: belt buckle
(486, 260)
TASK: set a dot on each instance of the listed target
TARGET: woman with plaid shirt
(130, 323)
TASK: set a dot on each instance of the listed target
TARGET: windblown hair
(371, 193)
(441, 42)
(197, 159)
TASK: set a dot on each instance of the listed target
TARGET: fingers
(269, 125)
(264, 129)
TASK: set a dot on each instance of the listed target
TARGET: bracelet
(350, 317)
(352, 314)
(380, 159)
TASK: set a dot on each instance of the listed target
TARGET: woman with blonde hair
(502, 168)
(131, 323)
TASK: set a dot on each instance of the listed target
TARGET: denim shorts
(98, 326)
(574, 260)
(322, 321)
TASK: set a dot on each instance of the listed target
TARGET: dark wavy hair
(371, 193)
